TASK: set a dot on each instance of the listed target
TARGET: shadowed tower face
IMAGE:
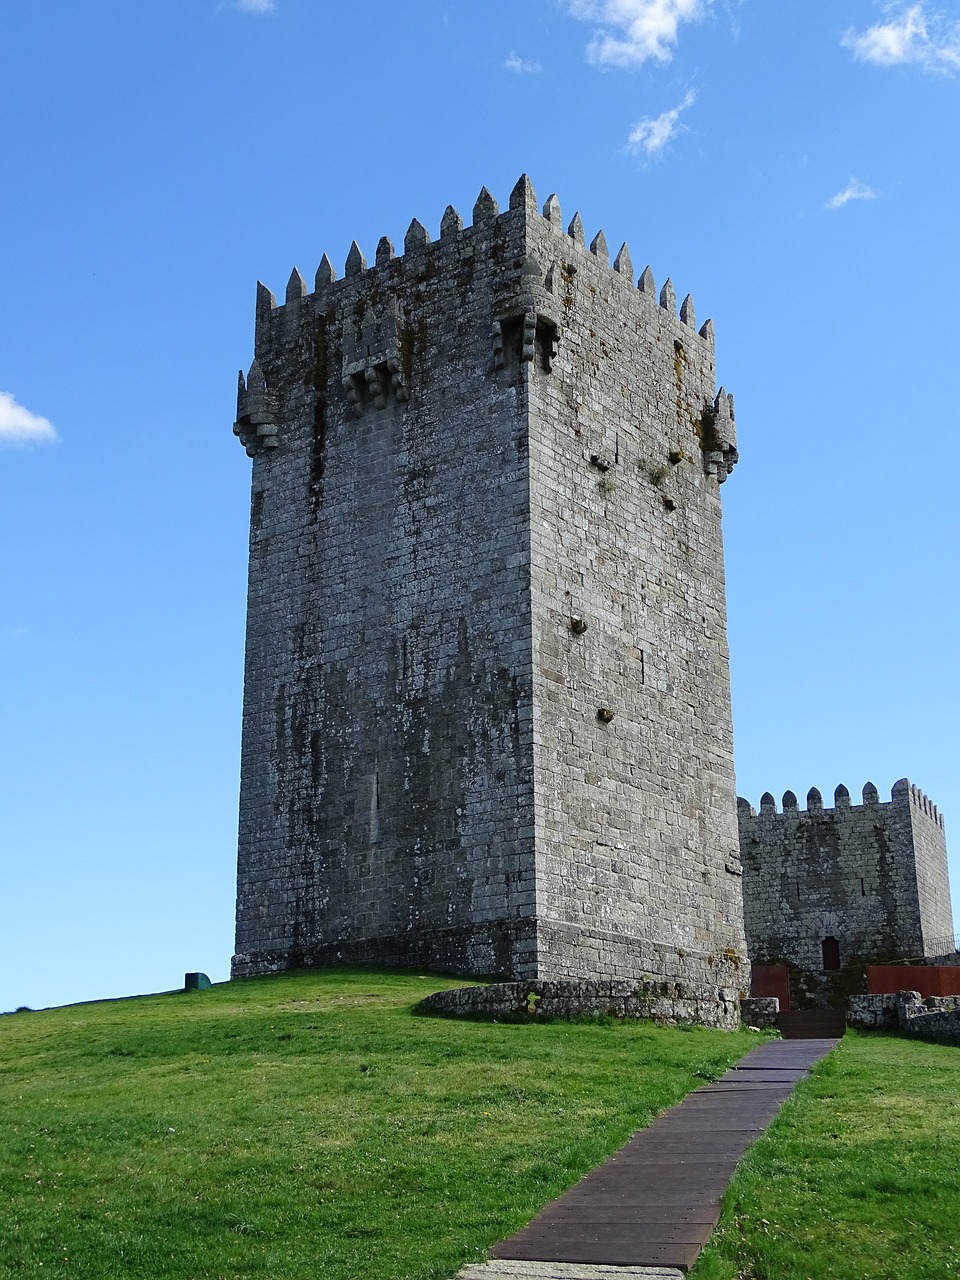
(487, 711)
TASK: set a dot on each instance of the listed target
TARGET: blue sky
(792, 164)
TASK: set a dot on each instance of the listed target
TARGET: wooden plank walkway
(655, 1202)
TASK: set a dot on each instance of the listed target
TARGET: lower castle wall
(935, 1018)
(933, 886)
(872, 876)
(664, 1002)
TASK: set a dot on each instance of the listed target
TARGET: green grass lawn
(307, 1127)
(857, 1179)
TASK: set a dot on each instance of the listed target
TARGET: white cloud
(854, 190)
(522, 66)
(255, 6)
(653, 133)
(18, 426)
(631, 31)
(912, 35)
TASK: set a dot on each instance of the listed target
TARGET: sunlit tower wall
(486, 719)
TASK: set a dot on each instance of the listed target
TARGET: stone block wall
(935, 1018)
(387, 804)
(487, 715)
(638, 868)
(665, 1002)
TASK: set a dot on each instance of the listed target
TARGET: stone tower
(487, 710)
(825, 888)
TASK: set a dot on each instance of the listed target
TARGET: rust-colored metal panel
(928, 979)
(771, 980)
(812, 1024)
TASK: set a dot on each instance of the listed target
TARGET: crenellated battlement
(486, 214)
(902, 792)
(537, 275)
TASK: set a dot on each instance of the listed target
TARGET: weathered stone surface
(425, 777)
(760, 1011)
(934, 1018)
(505, 1269)
(872, 877)
(668, 1002)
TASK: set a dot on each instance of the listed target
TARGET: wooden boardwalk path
(656, 1201)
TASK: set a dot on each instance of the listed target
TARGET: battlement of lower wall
(902, 793)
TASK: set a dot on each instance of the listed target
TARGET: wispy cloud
(912, 35)
(632, 31)
(522, 66)
(652, 134)
(18, 426)
(854, 190)
(255, 6)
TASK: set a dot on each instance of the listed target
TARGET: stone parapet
(932, 1018)
(670, 1003)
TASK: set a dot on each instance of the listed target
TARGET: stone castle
(486, 717)
(487, 711)
(824, 888)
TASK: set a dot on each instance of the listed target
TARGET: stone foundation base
(523, 950)
(567, 951)
(670, 1003)
(500, 949)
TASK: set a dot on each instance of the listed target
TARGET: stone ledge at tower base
(664, 1002)
(578, 971)
(506, 948)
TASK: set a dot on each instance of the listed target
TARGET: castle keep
(487, 713)
(826, 888)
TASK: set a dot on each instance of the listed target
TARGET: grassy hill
(310, 1127)
(307, 1127)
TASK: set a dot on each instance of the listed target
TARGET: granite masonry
(935, 1018)
(487, 711)
(828, 890)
